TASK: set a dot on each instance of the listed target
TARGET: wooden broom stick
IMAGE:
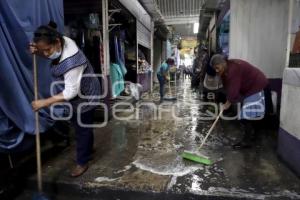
(37, 129)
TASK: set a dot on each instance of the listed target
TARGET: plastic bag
(135, 90)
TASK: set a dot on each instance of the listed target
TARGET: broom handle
(170, 92)
(175, 78)
(37, 129)
(211, 128)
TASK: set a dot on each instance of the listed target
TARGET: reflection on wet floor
(142, 153)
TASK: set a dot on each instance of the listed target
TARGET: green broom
(197, 157)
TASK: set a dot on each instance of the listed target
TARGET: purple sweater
(242, 80)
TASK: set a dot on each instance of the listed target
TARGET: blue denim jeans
(161, 81)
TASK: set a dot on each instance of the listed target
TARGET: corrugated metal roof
(181, 14)
(180, 8)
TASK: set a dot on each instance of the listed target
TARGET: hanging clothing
(118, 56)
(101, 53)
(122, 45)
(117, 79)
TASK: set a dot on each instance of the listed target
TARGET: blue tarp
(18, 20)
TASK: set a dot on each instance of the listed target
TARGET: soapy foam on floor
(172, 182)
(102, 179)
(126, 168)
(176, 168)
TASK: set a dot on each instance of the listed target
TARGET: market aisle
(138, 158)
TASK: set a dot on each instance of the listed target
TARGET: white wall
(258, 33)
(289, 113)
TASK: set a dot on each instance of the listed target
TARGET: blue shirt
(161, 70)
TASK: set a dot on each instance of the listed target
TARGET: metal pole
(137, 50)
(106, 59)
(105, 37)
(152, 53)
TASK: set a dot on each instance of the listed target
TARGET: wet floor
(137, 156)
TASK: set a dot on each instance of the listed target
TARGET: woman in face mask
(81, 87)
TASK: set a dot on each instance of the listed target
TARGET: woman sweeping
(162, 72)
(81, 87)
(246, 84)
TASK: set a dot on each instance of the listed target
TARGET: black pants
(84, 137)
(161, 81)
(250, 129)
(268, 101)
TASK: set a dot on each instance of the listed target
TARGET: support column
(105, 69)
(152, 53)
(106, 60)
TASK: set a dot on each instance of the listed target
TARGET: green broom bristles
(196, 158)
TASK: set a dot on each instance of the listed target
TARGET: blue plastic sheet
(18, 20)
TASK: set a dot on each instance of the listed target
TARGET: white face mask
(54, 55)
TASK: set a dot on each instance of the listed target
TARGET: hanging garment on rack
(118, 55)
(95, 55)
(122, 45)
(117, 80)
(101, 53)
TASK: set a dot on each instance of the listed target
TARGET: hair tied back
(52, 25)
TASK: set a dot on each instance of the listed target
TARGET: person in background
(162, 73)
(212, 89)
(243, 83)
(71, 66)
(199, 67)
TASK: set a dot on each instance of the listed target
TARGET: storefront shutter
(143, 35)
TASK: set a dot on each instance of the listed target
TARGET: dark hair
(170, 61)
(48, 34)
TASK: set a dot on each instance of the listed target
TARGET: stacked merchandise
(144, 66)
